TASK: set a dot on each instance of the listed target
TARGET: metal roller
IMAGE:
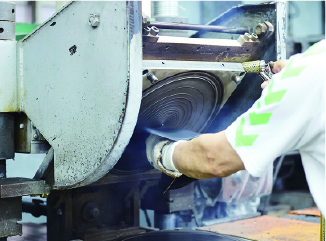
(188, 101)
(256, 66)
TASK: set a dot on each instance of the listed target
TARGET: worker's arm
(207, 156)
(258, 135)
(216, 155)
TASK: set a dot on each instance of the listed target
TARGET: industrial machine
(86, 87)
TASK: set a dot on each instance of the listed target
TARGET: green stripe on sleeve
(241, 139)
(273, 97)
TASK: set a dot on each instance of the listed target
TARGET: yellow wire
(169, 186)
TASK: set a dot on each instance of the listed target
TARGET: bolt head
(94, 20)
(154, 31)
(247, 36)
(35, 136)
(146, 30)
(237, 79)
(21, 126)
(260, 29)
(254, 36)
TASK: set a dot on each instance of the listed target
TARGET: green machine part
(22, 29)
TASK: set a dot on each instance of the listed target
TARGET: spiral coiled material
(188, 101)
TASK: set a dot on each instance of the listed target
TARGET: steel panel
(7, 150)
(19, 186)
(281, 26)
(8, 82)
(81, 86)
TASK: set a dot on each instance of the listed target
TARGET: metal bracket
(18, 186)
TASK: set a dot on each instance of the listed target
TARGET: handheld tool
(259, 67)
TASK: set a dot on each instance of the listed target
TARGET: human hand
(159, 153)
(264, 84)
(277, 66)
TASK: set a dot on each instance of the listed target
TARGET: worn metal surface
(249, 15)
(38, 143)
(268, 229)
(10, 213)
(22, 133)
(223, 47)
(281, 28)
(18, 186)
(28, 139)
(68, 75)
(7, 150)
(45, 167)
(8, 82)
(194, 49)
(192, 65)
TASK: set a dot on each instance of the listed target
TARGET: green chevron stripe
(314, 49)
(259, 119)
(258, 104)
(241, 139)
(273, 97)
(292, 72)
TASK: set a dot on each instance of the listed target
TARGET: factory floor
(301, 224)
